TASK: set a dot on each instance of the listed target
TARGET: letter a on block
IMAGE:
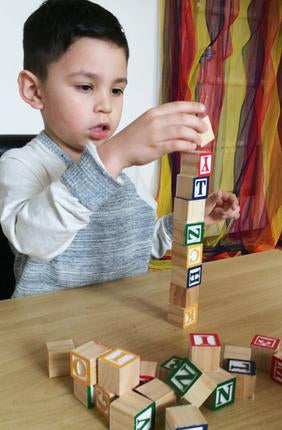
(184, 377)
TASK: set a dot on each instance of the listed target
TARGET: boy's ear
(29, 88)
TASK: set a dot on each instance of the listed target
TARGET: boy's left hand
(221, 205)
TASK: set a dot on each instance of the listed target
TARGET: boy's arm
(40, 218)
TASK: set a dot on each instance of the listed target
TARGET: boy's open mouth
(100, 131)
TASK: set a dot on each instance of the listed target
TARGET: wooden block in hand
(185, 417)
(168, 367)
(83, 361)
(58, 357)
(183, 317)
(188, 211)
(132, 411)
(118, 371)
(148, 371)
(102, 401)
(192, 188)
(208, 135)
(196, 163)
(276, 368)
(183, 297)
(159, 392)
(237, 352)
(190, 383)
(245, 372)
(204, 350)
(263, 348)
(224, 393)
(84, 393)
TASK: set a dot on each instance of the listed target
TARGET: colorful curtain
(227, 54)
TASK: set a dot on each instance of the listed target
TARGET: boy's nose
(103, 103)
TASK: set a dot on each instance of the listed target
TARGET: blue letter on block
(194, 276)
(200, 188)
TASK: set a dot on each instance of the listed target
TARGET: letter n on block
(118, 371)
(204, 350)
(224, 393)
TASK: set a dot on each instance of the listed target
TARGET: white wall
(139, 19)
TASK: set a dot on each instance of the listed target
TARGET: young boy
(72, 216)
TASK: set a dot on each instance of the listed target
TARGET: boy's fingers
(184, 107)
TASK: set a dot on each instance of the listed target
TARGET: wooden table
(240, 297)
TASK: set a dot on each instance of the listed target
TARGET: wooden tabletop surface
(239, 297)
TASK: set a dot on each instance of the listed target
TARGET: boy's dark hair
(56, 24)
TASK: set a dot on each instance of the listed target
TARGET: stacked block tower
(188, 233)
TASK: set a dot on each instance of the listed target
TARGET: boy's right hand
(167, 128)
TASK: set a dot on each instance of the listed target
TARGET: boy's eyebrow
(95, 76)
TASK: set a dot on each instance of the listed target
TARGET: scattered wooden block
(132, 411)
(196, 163)
(192, 188)
(188, 234)
(191, 383)
(167, 367)
(102, 401)
(237, 352)
(245, 372)
(276, 367)
(204, 350)
(208, 135)
(83, 361)
(84, 393)
(163, 396)
(118, 371)
(263, 348)
(185, 417)
(148, 371)
(58, 357)
(188, 211)
(183, 297)
(224, 393)
(183, 317)
(184, 257)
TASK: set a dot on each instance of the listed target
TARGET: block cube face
(194, 255)
(266, 342)
(81, 368)
(102, 400)
(172, 363)
(224, 394)
(204, 339)
(190, 315)
(201, 427)
(244, 367)
(276, 369)
(205, 164)
(119, 358)
(200, 188)
(194, 276)
(194, 234)
(145, 419)
(185, 375)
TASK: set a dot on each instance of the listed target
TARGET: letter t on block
(204, 350)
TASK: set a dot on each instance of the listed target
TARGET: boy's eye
(117, 91)
(85, 88)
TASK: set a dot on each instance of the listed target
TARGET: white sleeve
(162, 240)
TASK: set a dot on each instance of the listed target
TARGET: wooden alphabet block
(188, 234)
(192, 188)
(208, 135)
(185, 417)
(224, 393)
(159, 392)
(263, 347)
(186, 278)
(84, 393)
(276, 368)
(102, 401)
(148, 371)
(185, 257)
(196, 163)
(183, 297)
(188, 211)
(167, 368)
(132, 411)
(58, 357)
(204, 350)
(183, 317)
(245, 372)
(191, 383)
(118, 371)
(83, 362)
(237, 352)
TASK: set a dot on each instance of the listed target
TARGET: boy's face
(83, 94)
